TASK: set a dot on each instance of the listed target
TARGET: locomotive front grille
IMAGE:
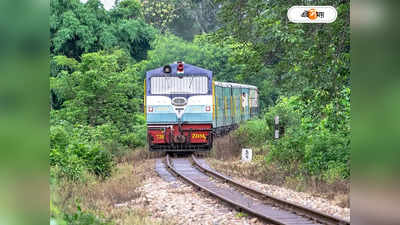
(179, 101)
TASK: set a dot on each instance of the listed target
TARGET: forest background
(99, 58)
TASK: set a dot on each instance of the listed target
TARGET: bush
(288, 151)
(288, 110)
(310, 144)
(77, 151)
(82, 218)
(76, 148)
(136, 139)
(58, 137)
(327, 153)
(97, 160)
(253, 133)
(94, 158)
(70, 166)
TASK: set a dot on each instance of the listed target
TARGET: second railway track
(241, 197)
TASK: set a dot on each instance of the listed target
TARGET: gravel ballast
(186, 205)
(181, 203)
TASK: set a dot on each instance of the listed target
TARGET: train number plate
(160, 136)
(199, 136)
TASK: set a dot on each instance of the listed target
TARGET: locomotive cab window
(176, 85)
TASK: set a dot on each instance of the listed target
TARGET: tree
(102, 88)
(161, 14)
(77, 28)
(300, 57)
(185, 19)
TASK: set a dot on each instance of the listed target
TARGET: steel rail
(298, 209)
(243, 207)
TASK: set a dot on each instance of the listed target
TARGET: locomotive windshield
(176, 85)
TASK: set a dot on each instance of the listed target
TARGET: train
(185, 109)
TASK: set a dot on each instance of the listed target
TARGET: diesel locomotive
(185, 108)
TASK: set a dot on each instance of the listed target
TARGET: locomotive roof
(188, 70)
(235, 85)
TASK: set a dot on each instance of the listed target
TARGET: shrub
(58, 137)
(99, 161)
(328, 154)
(336, 171)
(315, 152)
(70, 166)
(310, 144)
(288, 110)
(288, 151)
(77, 151)
(82, 218)
(95, 158)
(137, 138)
(253, 133)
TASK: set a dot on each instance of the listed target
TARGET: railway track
(243, 198)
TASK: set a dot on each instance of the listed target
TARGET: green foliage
(79, 217)
(127, 9)
(288, 110)
(101, 89)
(308, 67)
(160, 13)
(311, 145)
(241, 215)
(74, 154)
(58, 138)
(253, 133)
(181, 18)
(82, 218)
(99, 113)
(96, 158)
(69, 166)
(327, 153)
(295, 58)
(77, 28)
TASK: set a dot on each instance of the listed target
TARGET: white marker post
(276, 127)
(247, 154)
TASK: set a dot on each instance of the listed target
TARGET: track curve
(252, 203)
(298, 209)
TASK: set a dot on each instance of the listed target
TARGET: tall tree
(77, 28)
(301, 57)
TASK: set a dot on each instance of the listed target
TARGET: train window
(176, 85)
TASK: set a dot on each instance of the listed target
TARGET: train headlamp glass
(167, 69)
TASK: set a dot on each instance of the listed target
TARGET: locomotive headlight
(150, 109)
(208, 108)
(167, 69)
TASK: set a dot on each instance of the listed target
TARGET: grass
(138, 155)
(141, 216)
(109, 199)
(241, 215)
